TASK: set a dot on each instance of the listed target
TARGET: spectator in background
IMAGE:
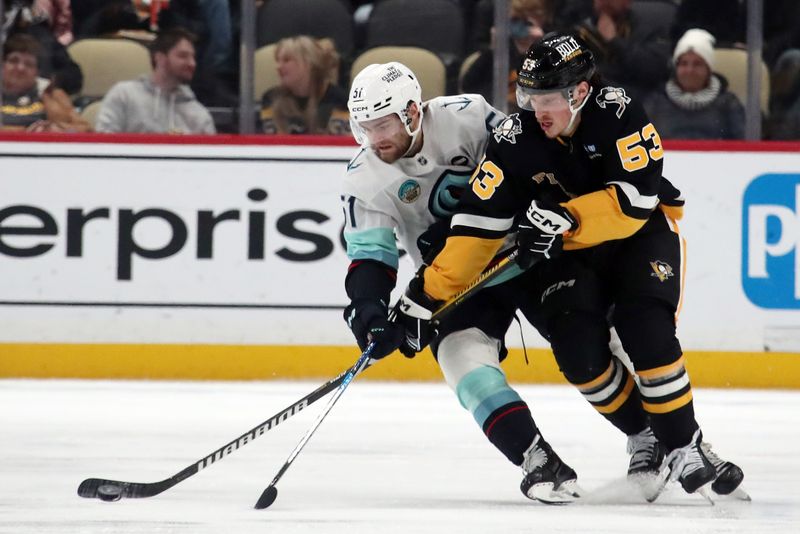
(59, 17)
(530, 20)
(216, 78)
(784, 116)
(695, 103)
(54, 62)
(161, 102)
(307, 101)
(29, 102)
(631, 45)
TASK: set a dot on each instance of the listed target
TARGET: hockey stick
(113, 490)
(270, 493)
(116, 489)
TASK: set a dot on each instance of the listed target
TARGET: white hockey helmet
(380, 90)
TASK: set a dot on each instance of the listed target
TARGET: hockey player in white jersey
(414, 161)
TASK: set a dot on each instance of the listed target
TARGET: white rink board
(104, 293)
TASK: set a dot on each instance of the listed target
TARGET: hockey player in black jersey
(581, 169)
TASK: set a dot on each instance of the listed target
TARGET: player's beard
(399, 147)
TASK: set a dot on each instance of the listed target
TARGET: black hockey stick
(116, 489)
(269, 494)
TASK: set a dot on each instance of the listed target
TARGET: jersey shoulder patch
(613, 96)
(508, 129)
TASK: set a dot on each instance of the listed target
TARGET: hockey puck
(109, 493)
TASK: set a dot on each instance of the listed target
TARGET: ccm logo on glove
(552, 219)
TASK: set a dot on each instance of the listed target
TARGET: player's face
(387, 137)
(552, 112)
(692, 72)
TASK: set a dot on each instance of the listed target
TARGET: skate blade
(738, 494)
(653, 490)
(705, 492)
(567, 493)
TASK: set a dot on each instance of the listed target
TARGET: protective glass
(374, 131)
(541, 101)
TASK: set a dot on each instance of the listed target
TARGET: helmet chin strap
(414, 134)
(568, 131)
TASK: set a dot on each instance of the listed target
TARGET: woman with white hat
(695, 103)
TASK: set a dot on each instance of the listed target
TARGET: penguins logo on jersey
(613, 95)
(661, 270)
(409, 191)
(508, 129)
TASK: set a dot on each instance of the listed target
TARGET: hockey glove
(415, 312)
(540, 232)
(368, 321)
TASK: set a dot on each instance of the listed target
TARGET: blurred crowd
(172, 66)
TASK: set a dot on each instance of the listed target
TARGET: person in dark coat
(695, 102)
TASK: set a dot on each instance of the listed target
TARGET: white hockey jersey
(406, 197)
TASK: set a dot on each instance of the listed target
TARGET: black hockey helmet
(558, 61)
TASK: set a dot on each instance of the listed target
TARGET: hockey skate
(547, 478)
(647, 456)
(729, 475)
(691, 467)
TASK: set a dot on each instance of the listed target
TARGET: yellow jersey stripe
(459, 263)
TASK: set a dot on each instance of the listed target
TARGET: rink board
(143, 257)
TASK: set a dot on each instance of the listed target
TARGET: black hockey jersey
(608, 174)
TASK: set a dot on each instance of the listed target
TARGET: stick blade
(88, 488)
(267, 498)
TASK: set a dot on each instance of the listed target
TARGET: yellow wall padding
(247, 362)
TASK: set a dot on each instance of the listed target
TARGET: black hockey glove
(368, 321)
(540, 232)
(414, 312)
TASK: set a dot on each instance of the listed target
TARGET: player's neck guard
(575, 110)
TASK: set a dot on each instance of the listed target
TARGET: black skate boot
(647, 456)
(729, 475)
(547, 478)
(690, 466)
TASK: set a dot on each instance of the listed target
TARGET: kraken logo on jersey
(508, 129)
(409, 191)
(661, 270)
(445, 194)
(613, 95)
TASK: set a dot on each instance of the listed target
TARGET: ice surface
(390, 458)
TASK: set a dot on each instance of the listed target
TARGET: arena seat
(425, 64)
(105, 62)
